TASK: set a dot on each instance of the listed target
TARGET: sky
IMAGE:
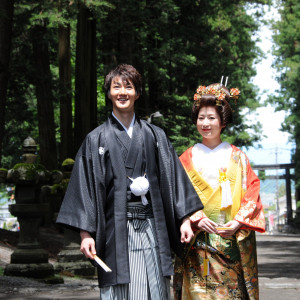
(276, 147)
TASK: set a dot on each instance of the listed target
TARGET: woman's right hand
(207, 225)
(87, 246)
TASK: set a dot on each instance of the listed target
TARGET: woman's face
(209, 124)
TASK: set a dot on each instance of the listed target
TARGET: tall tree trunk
(64, 61)
(6, 21)
(43, 78)
(297, 169)
(85, 77)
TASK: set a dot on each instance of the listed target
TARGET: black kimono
(96, 198)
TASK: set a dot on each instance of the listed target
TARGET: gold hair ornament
(216, 90)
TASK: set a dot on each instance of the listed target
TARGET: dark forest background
(54, 56)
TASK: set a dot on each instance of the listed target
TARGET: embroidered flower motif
(222, 174)
(222, 292)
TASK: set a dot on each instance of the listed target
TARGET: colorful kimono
(214, 267)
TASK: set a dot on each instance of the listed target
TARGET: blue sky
(275, 145)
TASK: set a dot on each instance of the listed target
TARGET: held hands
(234, 225)
(207, 225)
(186, 231)
(87, 244)
(210, 226)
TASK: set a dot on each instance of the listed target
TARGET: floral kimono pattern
(213, 267)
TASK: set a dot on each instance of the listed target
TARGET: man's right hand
(87, 246)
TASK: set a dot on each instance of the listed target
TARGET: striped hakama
(146, 280)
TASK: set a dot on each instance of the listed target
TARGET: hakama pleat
(146, 280)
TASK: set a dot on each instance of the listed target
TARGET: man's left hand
(186, 231)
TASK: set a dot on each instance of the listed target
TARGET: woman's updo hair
(209, 99)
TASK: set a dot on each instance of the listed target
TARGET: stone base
(71, 255)
(29, 270)
(29, 256)
(72, 262)
(80, 268)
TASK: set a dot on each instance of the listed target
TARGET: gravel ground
(278, 258)
(25, 288)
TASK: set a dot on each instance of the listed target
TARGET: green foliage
(68, 162)
(287, 51)
(262, 174)
(189, 43)
(30, 170)
(282, 190)
(60, 188)
(21, 109)
(176, 45)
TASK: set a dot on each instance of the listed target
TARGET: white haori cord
(140, 187)
(226, 194)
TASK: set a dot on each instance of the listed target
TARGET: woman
(220, 262)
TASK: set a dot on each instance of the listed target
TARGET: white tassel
(140, 187)
(226, 194)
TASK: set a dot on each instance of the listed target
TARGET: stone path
(279, 275)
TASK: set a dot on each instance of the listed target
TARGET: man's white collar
(128, 130)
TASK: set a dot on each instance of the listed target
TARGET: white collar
(220, 147)
(128, 130)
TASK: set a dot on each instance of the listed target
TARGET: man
(129, 196)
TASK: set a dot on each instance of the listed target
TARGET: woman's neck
(211, 144)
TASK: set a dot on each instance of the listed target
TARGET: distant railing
(287, 176)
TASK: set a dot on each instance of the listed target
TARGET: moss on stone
(30, 170)
(60, 187)
(67, 162)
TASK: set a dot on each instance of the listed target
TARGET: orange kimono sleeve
(251, 213)
(196, 217)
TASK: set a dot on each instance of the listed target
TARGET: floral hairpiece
(216, 90)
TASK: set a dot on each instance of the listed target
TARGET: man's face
(122, 95)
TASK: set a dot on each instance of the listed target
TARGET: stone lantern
(29, 259)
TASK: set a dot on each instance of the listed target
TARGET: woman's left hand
(233, 225)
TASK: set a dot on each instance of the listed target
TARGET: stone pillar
(70, 259)
(29, 259)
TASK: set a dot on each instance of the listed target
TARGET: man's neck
(125, 117)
